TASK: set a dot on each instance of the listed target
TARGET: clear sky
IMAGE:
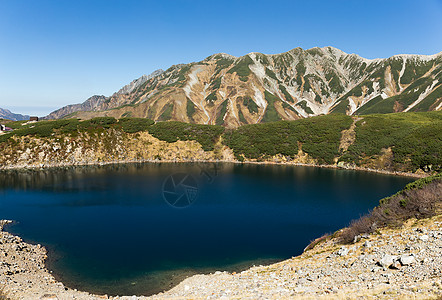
(59, 52)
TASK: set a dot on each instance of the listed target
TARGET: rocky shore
(392, 263)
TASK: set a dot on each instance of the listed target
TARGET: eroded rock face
(108, 147)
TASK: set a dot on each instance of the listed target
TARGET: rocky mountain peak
(137, 82)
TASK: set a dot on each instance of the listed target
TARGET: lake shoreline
(121, 162)
(329, 270)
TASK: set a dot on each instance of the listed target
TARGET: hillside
(8, 115)
(257, 88)
(399, 142)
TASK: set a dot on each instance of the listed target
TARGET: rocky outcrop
(108, 147)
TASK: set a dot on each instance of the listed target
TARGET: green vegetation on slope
(270, 115)
(414, 138)
(221, 113)
(402, 141)
(53, 128)
(173, 131)
(419, 199)
(167, 112)
(250, 104)
(303, 104)
(242, 68)
(132, 125)
(318, 136)
(190, 109)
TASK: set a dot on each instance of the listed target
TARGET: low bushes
(318, 136)
(419, 199)
(173, 131)
(414, 139)
(132, 125)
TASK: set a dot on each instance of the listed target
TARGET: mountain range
(8, 115)
(231, 91)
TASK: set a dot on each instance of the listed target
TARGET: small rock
(387, 261)
(407, 260)
(424, 238)
(343, 251)
(396, 265)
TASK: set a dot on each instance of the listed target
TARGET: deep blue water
(127, 229)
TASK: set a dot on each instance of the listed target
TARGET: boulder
(407, 260)
(387, 260)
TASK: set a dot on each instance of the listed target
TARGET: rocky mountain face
(7, 114)
(93, 103)
(232, 91)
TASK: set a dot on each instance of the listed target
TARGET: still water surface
(109, 229)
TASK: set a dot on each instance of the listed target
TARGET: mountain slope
(231, 91)
(7, 114)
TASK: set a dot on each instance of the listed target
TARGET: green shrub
(319, 136)
(250, 104)
(221, 113)
(271, 114)
(305, 107)
(212, 97)
(99, 122)
(167, 112)
(242, 68)
(173, 131)
(414, 138)
(132, 125)
(190, 109)
(287, 96)
(271, 74)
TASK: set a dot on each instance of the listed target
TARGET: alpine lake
(139, 229)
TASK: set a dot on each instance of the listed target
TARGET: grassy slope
(413, 139)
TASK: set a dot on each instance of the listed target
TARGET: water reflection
(109, 226)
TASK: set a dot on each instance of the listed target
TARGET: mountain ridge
(227, 90)
(7, 114)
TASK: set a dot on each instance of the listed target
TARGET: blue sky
(59, 52)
